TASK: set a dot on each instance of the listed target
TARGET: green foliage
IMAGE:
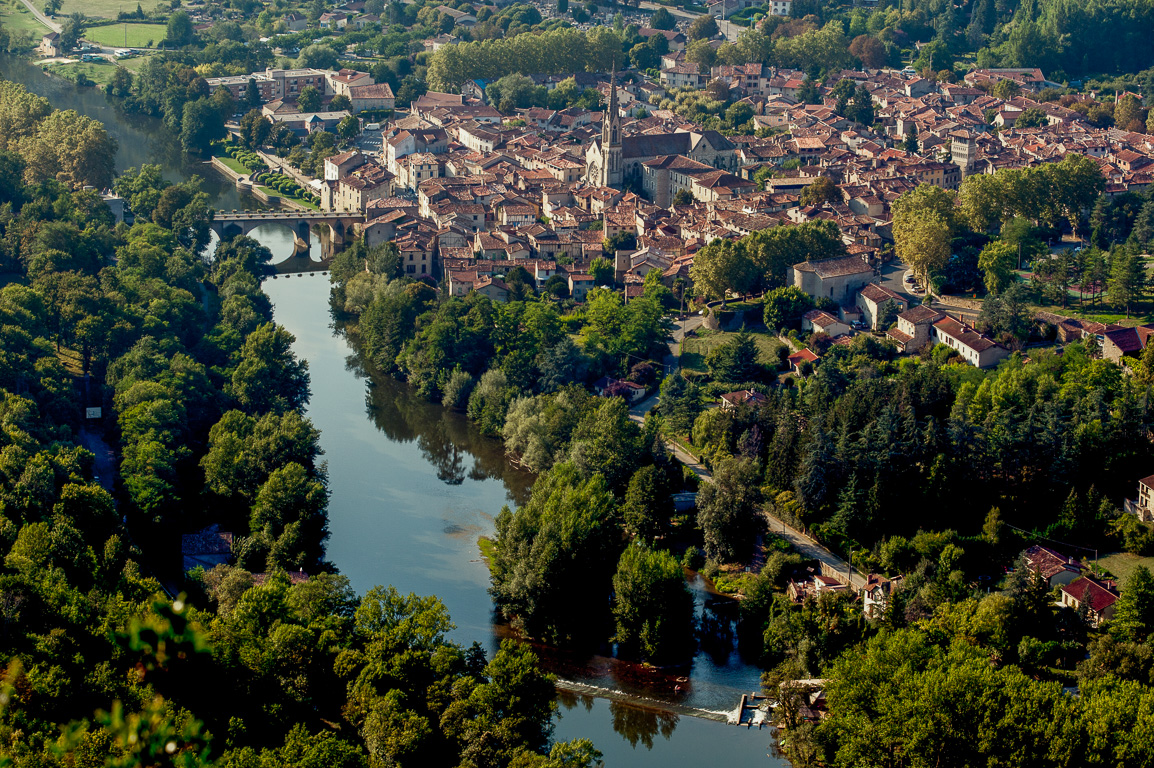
(726, 510)
(1134, 612)
(554, 554)
(652, 606)
(736, 360)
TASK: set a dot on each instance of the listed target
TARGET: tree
(254, 129)
(1006, 89)
(722, 266)
(703, 28)
(910, 143)
(1128, 110)
(862, 107)
(1031, 117)
(662, 19)
(808, 93)
(268, 377)
(288, 521)
(1127, 278)
(607, 444)
(601, 269)
(348, 127)
(784, 307)
(648, 505)
(71, 31)
(998, 261)
(923, 226)
(70, 148)
(309, 99)
(887, 314)
(180, 30)
(552, 556)
(562, 7)
(700, 52)
(736, 360)
(680, 403)
(726, 510)
(739, 113)
(821, 191)
(52, 7)
(652, 606)
(201, 125)
(317, 56)
(1134, 612)
(683, 197)
(870, 50)
(340, 102)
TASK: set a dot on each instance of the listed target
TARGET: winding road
(806, 545)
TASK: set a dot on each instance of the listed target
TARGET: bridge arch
(334, 230)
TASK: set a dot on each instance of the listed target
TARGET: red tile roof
(1098, 594)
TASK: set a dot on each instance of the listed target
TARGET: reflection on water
(448, 441)
(411, 518)
(141, 139)
(641, 725)
(414, 485)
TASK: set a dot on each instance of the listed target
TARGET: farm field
(16, 18)
(127, 35)
(103, 9)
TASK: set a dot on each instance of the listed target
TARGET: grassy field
(277, 193)
(18, 19)
(1122, 564)
(98, 72)
(235, 165)
(699, 346)
(138, 35)
(103, 9)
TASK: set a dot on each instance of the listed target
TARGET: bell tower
(611, 165)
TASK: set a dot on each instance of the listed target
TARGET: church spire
(611, 131)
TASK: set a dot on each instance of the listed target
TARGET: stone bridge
(334, 228)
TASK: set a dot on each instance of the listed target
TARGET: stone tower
(611, 165)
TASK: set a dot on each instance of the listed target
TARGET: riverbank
(413, 486)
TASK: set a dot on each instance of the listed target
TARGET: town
(561, 384)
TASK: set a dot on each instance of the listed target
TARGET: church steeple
(611, 168)
(611, 126)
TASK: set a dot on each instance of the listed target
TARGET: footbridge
(334, 228)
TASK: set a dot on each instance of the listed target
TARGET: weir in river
(414, 486)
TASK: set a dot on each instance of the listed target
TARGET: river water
(414, 486)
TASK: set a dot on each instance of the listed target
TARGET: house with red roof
(749, 397)
(1099, 597)
(1125, 342)
(975, 349)
(1052, 566)
(797, 359)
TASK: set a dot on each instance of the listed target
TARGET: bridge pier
(334, 229)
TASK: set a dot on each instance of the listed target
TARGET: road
(803, 543)
(677, 12)
(41, 17)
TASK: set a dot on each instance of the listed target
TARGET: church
(613, 159)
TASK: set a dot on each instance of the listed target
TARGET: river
(414, 486)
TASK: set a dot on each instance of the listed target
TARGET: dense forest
(202, 400)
